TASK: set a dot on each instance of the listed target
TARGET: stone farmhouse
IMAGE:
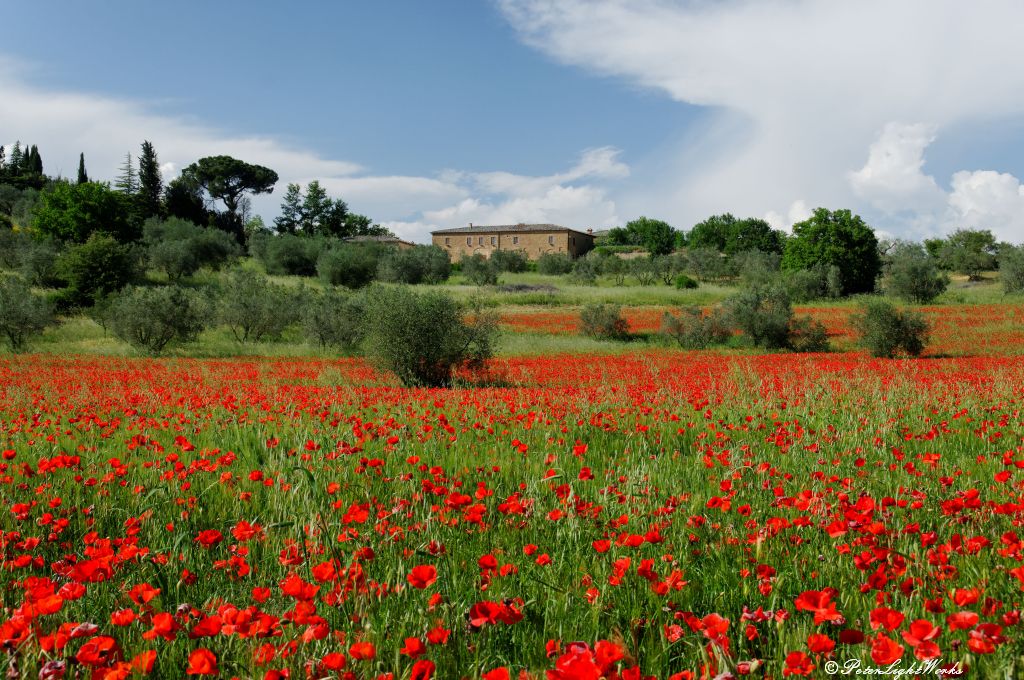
(533, 239)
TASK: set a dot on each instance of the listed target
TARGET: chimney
(590, 231)
(470, 225)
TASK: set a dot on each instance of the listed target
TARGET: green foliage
(807, 335)
(420, 264)
(755, 267)
(656, 236)
(22, 312)
(93, 269)
(1011, 269)
(970, 252)
(693, 329)
(227, 179)
(83, 176)
(73, 212)
(290, 255)
(763, 315)
(684, 282)
(255, 309)
(334, 318)
(837, 238)
(184, 199)
(479, 270)
(180, 248)
(886, 331)
(806, 285)
(913, 276)
(151, 183)
(150, 319)
(726, 234)
(667, 267)
(643, 270)
(424, 338)
(707, 264)
(512, 261)
(554, 263)
(604, 322)
(585, 270)
(352, 265)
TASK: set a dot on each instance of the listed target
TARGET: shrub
(604, 321)
(255, 309)
(763, 315)
(421, 264)
(554, 263)
(180, 248)
(512, 261)
(151, 318)
(643, 270)
(423, 338)
(807, 335)
(805, 285)
(98, 267)
(755, 267)
(291, 255)
(585, 270)
(352, 265)
(334, 318)
(887, 331)
(1011, 269)
(616, 267)
(684, 282)
(693, 329)
(479, 271)
(22, 313)
(73, 212)
(914, 276)
(706, 264)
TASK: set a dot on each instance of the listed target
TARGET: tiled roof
(375, 239)
(502, 228)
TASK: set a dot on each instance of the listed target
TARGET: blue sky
(427, 114)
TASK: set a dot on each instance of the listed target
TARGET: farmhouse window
(551, 240)
(469, 240)
(447, 240)
(515, 240)
(494, 240)
(480, 241)
(572, 240)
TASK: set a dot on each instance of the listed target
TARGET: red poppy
(885, 650)
(362, 651)
(422, 576)
(798, 663)
(202, 662)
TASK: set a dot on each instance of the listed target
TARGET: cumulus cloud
(989, 200)
(800, 90)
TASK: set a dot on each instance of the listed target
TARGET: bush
(763, 315)
(179, 248)
(684, 282)
(291, 255)
(554, 263)
(73, 212)
(706, 264)
(585, 270)
(512, 261)
(604, 321)
(807, 335)
(424, 338)
(479, 270)
(913, 276)
(352, 265)
(667, 267)
(886, 331)
(755, 267)
(151, 318)
(421, 264)
(693, 329)
(1011, 269)
(643, 270)
(22, 313)
(255, 309)
(98, 267)
(615, 267)
(334, 318)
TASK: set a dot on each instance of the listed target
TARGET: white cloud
(106, 128)
(989, 200)
(800, 88)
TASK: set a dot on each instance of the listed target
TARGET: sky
(586, 113)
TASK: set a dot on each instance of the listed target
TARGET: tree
(970, 252)
(886, 331)
(227, 179)
(255, 309)
(913, 276)
(712, 233)
(151, 183)
(94, 269)
(184, 199)
(424, 338)
(35, 162)
(837, 238)
(316, 209)
(151, 318)
(82, 176)
(22, 312)
(334, 318)
(654, 235)
(1011, 269)
(290, 219)
(128, 181)
(763, 314)
(604, 322)
(73, 212)
(14, 165)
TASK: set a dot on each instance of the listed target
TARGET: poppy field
(653, 515)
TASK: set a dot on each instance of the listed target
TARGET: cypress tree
(82, 176)
(3, 164)
(151, 183)
(35, 162)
